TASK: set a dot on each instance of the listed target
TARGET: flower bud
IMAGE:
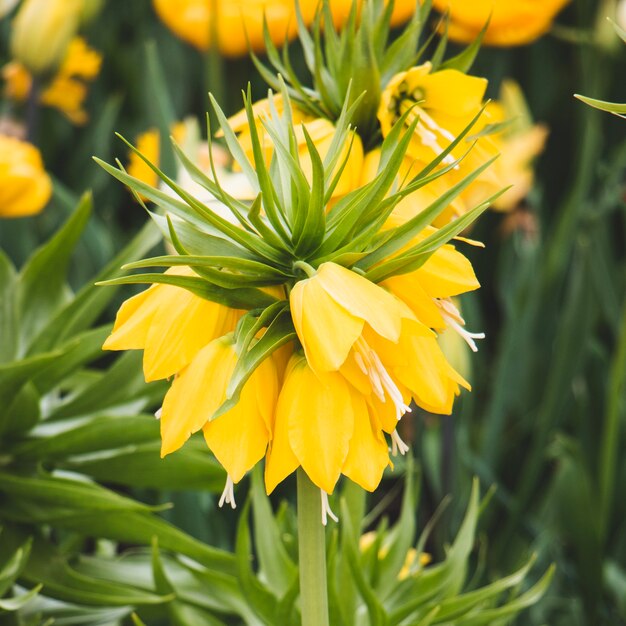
(42, 30)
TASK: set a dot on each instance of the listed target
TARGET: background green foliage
(545, 422)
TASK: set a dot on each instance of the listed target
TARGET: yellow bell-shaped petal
(170, 324)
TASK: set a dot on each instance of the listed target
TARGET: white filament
(397, 445)
(158, 413)
(228, 495)
(326, 510)
(452, 318)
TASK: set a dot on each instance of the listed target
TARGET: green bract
(360, 58)
(290, 225)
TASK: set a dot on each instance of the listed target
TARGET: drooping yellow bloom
(512, 23)
(445, 102)
(347, 323)
(25, 187)
(239, 437)
(238, 24)
(41, 33)
(171, 325)
(321, 131)
(67, 89)
(327, 430)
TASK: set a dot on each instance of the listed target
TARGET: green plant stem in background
(32, 110)
(312, 554)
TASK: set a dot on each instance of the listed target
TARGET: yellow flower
(239, 437)
(513, 22)
(192, 21)
(170, 324)
(149, 144)
(519, 144)
(347, 323)
(414, 561)
(321, 131)
(402, 11)
(25, 188)
(41, 32)
(67, 89)
(327, 430)
(445, 102)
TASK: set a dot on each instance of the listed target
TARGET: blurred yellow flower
(413, 563)
(25, 188)
(67, 89)
(237, 23)
(42, 31)
(513, 22)
(445, 102)
(402, 11)
(519, 143)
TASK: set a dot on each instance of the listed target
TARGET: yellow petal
(453, 93)
(368, 454)
(196, 393)
(407, 287)
(326, 330)
(320, 422)
(447, 273)
(239, 437)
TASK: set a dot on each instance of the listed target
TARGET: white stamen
(379, 377)
(429, 138)
(158, 413)
(228, 495)
(397, 445)
(452, 318)
(326, 510)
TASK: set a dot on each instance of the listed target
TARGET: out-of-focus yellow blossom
(321, 131)
(445, 102)
(25, 187)
(67, 90)
(413, 561)
(149, 144)
(238, 24)
(42, 31)
(512, 22)
(402, 11)
(519, 143)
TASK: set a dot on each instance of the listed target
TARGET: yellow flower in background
(237, 23)
(171, 325)
(402, 11)
(67, 89)
(42, 31)
(519, 143)
(513, 22)
(321, 131)
(413, 563)
(445, 102)
(25, 187)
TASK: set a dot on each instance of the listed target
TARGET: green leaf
(277, 568)
(12, 568)
(609, 107)
(18, 602)
(464, 60)
(24, 412)
(41, 288)
(8, 311)
(261, 600)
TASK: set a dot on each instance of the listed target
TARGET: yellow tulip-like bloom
(25, 187)
(171, 325)
(445, 102)
(512, 22)
(239, 437)
(41, 33)
(321, 132)
(238, 24)
(328, 430)
(67, 89)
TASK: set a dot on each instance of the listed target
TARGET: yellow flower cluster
(67, 90)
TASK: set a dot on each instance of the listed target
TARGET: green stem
(312, 554)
